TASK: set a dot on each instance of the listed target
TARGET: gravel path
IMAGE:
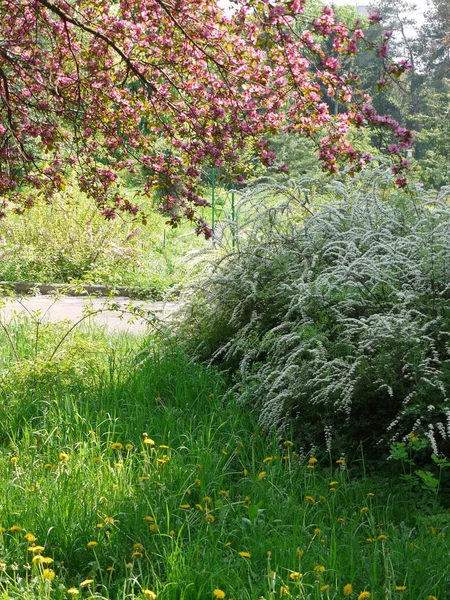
(46, 308)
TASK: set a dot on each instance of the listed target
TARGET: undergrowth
(67, 240)
(126, 475)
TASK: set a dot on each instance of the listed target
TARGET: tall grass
(137, 481)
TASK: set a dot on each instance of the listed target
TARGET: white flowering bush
(336, 326)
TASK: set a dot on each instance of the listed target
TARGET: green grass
(133, 447)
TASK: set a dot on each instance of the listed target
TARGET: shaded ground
(46, 308)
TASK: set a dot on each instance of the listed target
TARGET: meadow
(128, 471)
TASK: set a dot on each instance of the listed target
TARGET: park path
(72, 308)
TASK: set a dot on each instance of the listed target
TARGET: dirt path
(45, 308)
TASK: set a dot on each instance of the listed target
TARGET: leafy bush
(336, 328)
(67, 240)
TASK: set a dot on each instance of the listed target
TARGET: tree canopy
(99, 87)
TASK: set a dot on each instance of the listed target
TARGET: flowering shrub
(338, 327)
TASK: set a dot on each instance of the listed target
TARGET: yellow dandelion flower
(223, 493)
(333, 483)
(209, 518)
(348, 589)
(148, 518)
(284, 590)
(149, 442)
(35, 549)
(153, 528)
(110, 569)
(268, 459)
(324, 588)
(332, 490)
(149, 594)
(38, 559)
(313, 460)
(47, 560)
(92, 544)
(317, 531)
(48, 574)
(163, 447)
(100, 525)
(261, 475)
(432, 598)
(198, 466)
(371, 494)
(341, 520)
(14, 460)
(382, 537)
(15, 529)
(96, 459)
(185, 506)
(245, 472)
(319, 569)
(245, 554)
(30, 537)
(48, 466)
(108, 520)
(116, 446)
(217, 593)
(341, 461)
(299, 553)
(129, 565)
(227, 544)
(138, 547)
(310, 499)
(400, 588)
(288, 443)
(369, 540)
(63, 457)
(207, 499)
(295, 576)
(364, 510)
(364, 596)
(86, 582)
(72, 591)
(136, 554)
(129, 447)
(144, 478)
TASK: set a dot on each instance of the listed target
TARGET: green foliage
(136, 478)
(67, 240)
(434, 140)
(336, 328)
